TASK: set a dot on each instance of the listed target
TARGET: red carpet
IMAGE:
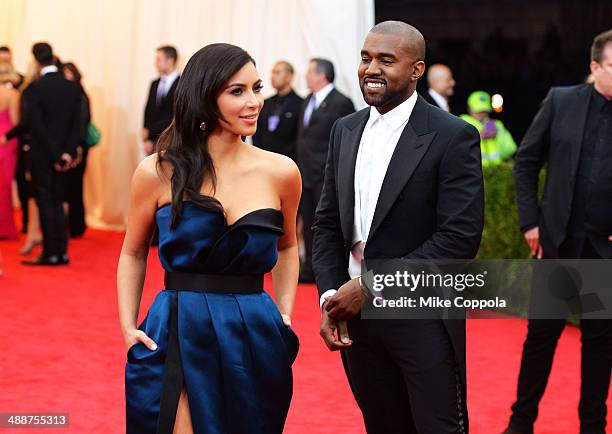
(62, 352)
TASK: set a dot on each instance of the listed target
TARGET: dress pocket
(130, 351)
(292, 342)
(290, 338)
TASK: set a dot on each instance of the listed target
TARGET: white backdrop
(113, 43)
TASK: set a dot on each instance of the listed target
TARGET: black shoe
(511, 431)
(52, 260)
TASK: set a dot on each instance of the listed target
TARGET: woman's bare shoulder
(279, 166)
(152, 174)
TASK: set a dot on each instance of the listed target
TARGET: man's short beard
(382, 100)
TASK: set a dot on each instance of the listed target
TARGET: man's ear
(418, 70)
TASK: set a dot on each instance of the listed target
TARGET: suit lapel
(303, 111)
(576, 133)
(318, 110)
(327, 99)
(349, 146)
(173, 87)
(411, 146)
(155, 86)
(170, 93)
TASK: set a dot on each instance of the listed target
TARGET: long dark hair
(183, 144)
(73, 69)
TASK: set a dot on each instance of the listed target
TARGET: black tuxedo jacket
(313, 140)
(158, 117)
(282, 140)
(555, 138)
(431, 204)
(55, 108)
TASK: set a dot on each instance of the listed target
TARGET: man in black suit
(319, 112)
(403, 179)
(441, 86)
(160, 104)
(54, 128)
(277, 125)
(571, 134)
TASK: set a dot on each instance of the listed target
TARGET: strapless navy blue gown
(233, 351)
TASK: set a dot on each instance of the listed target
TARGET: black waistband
(229, 284)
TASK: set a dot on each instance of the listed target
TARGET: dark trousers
(308, 206)
(24, 187)
(74, 197)
(536, 363)
(404, 377)
(48, 186)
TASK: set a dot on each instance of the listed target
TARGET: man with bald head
(441, 86)
(403, 180)
(277, 125)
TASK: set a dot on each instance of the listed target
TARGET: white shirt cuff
(328, 293)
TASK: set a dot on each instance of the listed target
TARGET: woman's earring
(203, 126)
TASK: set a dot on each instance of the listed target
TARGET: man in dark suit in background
(441, 86)
(572, 135)
(319, 112)
(54, 128)
(277, 125)
(403, 179)
(160, 104)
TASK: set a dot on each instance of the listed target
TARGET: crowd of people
(45, 135)
(349, 182)
(284, 126)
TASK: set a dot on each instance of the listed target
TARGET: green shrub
(501, 237)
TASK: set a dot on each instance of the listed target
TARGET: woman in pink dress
(9, 116)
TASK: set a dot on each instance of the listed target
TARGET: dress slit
(173, 378)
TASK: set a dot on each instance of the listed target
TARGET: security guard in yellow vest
(496, 142)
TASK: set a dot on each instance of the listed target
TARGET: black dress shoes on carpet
(52, 260)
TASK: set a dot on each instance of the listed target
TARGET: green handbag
(93, 135)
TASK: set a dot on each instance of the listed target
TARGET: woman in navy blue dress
(214, 353)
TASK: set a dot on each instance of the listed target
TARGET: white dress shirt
(439, 99)
(378, 142)
(165, 83)
(48, 69)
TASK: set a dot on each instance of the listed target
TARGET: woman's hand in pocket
(135, 336)
(286, 319)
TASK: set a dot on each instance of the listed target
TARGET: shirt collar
(48, 69)
(322, 93)
(439, 99)
(398, 115)
(169, 78)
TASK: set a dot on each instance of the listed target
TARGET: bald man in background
(277, 125)
(441, 86)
